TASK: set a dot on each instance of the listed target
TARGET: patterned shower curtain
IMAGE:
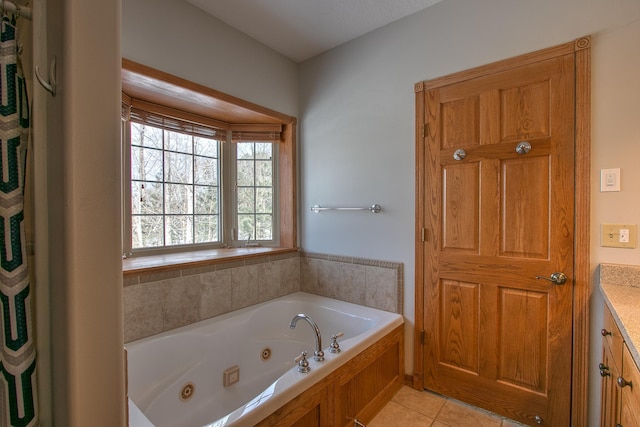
(18, 400)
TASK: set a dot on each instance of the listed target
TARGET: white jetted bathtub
(177, 378)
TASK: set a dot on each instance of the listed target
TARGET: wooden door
(497, 217)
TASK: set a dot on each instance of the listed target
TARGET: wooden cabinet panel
(612, 337)
(630, 405)
(610, 405)
(356, 390)
(620, 396)
(309, 409)
(363, 396)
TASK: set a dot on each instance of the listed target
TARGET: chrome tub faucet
(318, 355)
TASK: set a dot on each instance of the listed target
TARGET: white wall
(77, 215)
(178, 38)
(616, 144)
(356, 106)
(357, 120)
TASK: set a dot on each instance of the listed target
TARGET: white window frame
(227, 200)
(230, 171)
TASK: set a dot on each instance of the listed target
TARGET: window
(254, 182)
(198, 179)
(175, 188)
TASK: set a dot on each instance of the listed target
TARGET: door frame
(581, 48)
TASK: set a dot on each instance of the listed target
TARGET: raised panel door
(495, 335)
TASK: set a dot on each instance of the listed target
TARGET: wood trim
(193, 259)
(418, 354)
(506, 64)
(582, 282)
(288, 187)
(582, 288)
(153, 83)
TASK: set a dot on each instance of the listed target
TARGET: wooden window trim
(190, 101)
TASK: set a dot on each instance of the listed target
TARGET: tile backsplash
(157, 302)
(377, 284)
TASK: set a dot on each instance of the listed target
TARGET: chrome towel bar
(373, 208)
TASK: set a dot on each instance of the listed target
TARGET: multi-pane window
(254, 190)
(175, 188)
(180, 195)
(203, 169)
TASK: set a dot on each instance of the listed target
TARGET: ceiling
(301, 29)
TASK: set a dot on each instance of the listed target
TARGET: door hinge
(424, 131)
(422, 337)
(424, 235)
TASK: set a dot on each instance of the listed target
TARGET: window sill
(177, 261)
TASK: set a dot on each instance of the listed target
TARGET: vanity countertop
(620, 286)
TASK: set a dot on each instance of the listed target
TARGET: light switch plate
(610, 179)
(618, 235)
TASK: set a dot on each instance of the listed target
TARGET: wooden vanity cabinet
(620, 396)
(630, 404)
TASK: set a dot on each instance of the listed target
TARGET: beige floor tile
(394, 414)
(456, 414)
(425, 402)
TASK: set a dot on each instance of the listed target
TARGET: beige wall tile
(159, 302)
(269, 276)
(290, 270)
(142, 311)
(181, 305)
(215, 293)
(382, 288)
(244, 287)
(349, 280)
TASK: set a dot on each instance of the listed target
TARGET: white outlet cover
(624, 235)
(610, 179)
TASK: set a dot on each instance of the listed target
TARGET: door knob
(556, 278)
(459, 154)
(623, 383)
(523, 147)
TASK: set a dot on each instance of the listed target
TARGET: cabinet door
(612, 338)
(630, 408)
(610, 403)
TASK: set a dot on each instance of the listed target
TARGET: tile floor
(412, 408)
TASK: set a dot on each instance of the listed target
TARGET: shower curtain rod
(9, 6)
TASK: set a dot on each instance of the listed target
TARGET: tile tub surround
(158, 302)
(376, 284)
(620, 287)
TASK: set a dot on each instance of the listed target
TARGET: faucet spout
(318, 355)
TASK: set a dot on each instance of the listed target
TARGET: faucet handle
(334, 347)
(303, 364)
